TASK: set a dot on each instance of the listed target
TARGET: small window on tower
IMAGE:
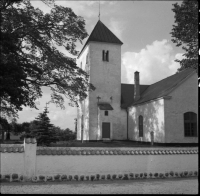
(107, 55)
(106, 113)
(103, 55)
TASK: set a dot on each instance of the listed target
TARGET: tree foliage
(43, 130)
(185, 32)
(5, 126)
(30, 58)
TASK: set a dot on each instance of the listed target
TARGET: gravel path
(153, 186)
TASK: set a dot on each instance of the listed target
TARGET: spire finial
(99, 10)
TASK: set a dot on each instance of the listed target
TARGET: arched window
(190, 124)
(140, 126)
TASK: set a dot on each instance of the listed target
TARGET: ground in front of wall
(147, 186)
(113, 143)
(117, 143)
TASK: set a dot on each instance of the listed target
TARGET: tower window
(105, 55)
(106, 113)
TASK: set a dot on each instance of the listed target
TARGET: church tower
(99, 115)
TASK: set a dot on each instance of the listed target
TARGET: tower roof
(101, 33)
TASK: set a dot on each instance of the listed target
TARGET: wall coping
(117, 148)
(30, 140)
(11, 149)
(115, 151)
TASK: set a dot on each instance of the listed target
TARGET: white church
(165, 111)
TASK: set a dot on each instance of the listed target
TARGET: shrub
(141, 175)
(131, 175)
(103, 177)
(41, 177)
(7, 176)
(97, 176)
(76, 177)
(196, 173)
(136, 175)
(49, 178)
(82, 177)
(120, 176)
(190, 173)
(21, 178)
(125, 177)
(171, 173)
(64, 177)
(92, 177)
(87, 178)
(56, 177)
(70, 177)
(181, 174)
(145, 174)
(176, 173)
(185, 173)
(161, 175)
(166, 174)
(114, 176)
(108, 176)
(156, 174)
(14, 176)
(150, 174)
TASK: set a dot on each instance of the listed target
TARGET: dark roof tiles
(127, 94)
(101, 33)
(163, 87)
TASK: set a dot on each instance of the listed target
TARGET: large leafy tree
(185, 32)
(30, 58)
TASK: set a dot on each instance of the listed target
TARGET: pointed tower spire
(99, 10)
(101, 33)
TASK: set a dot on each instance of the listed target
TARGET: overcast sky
(144, 28)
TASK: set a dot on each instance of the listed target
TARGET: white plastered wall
(106, 77)
(184, 99)
(153, 120)
(84, 105)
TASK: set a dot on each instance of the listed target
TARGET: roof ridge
(171, 76)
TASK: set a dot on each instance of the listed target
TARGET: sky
(144, 28)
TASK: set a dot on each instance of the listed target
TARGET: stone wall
(29, 162)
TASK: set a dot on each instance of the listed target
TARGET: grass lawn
(117, 144)
(114, 143)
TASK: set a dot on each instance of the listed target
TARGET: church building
(165, 111)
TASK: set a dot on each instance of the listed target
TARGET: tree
(43, 130)
(4, 125)
(30, 58)
(185, 32)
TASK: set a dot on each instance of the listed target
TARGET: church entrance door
(106, 130)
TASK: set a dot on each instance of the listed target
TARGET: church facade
(115, 111)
